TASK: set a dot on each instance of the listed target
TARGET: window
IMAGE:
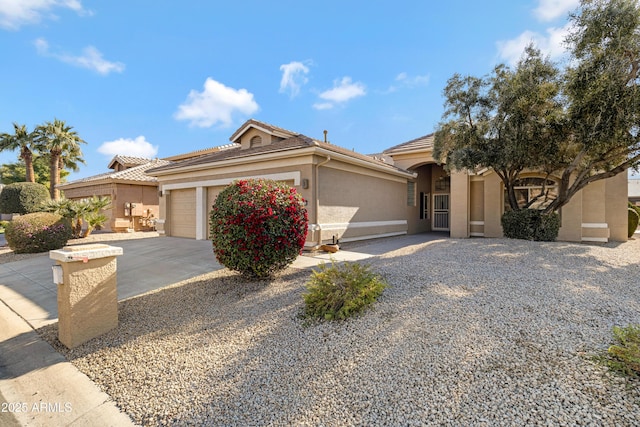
(443, 184)
(411, 193)
(424, 205)
(534, 193)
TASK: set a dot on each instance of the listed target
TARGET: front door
(440, 212)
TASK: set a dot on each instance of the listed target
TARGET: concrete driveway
(146, 264)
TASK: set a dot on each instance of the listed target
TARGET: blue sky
(158, 78)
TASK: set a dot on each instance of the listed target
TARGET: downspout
(317, 189)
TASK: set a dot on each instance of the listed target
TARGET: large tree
(62, 144)
(580, 123)
(22, 140)
(16, 172)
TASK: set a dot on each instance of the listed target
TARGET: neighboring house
(634, 191)
(349, 195)
(133, 193)
(472, 204)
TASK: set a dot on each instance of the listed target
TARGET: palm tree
(62, 144)
(24, 141)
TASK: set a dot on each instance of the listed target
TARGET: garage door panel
(183, 213)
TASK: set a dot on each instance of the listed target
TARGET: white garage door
(183, 213)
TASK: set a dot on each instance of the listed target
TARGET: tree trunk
(54, 177)
(27, 156)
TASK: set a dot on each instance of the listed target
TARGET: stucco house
(349, 195)
(472, 204)
(133, 193)
(634, 191)
(352, 196)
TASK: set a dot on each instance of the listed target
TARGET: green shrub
(624, 356)
(37, 232)
(258, 227)
(339, 291)
(80, 211)
(3, 226)
(531, 224)
(23, 198)
(634, 218)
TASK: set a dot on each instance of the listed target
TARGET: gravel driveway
(471, 332)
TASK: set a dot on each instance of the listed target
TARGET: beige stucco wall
(616, 199)
(356, 203)
(144, 196)
(459, 214)
(424, 186)
(597, 213)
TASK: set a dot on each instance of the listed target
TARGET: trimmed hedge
(531, 224)
(23, 198)
(37, 232)
(258, 226)
(634, 218)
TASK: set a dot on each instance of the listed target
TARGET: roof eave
(299, 152)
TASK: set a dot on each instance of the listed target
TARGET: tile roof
(134, 174)
(266, 126)
(197, 153)
(293, 143)
(128, 160)
(421, 143)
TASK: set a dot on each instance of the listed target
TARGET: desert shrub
(531, 224)
(23, 198)
(89, 210)
(634, 218)
(339, 291)
(37, 232)
(258, 227)
(624, 356)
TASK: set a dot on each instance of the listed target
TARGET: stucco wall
(423, 181)
(370, 205)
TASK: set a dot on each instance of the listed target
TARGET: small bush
(337, 292)
(634, 218)
(37, 232)
(23, 198)
(624, 356)
(3, 226)
(531, 224)
(258, 226)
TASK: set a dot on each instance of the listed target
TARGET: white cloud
(294, 76)
(323, 105)
(343, 90)
(404, 80)
(91, 58)
(138, 147)
(551, 44)
(16, 13)
(215, 104)
(548, 10)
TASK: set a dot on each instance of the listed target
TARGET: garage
(183, 213)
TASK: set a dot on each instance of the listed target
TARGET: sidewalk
(48, 390)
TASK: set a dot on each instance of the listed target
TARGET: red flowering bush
(258, 226)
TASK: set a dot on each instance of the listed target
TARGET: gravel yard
(471, 332)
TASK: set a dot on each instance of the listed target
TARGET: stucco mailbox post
(87, 291)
